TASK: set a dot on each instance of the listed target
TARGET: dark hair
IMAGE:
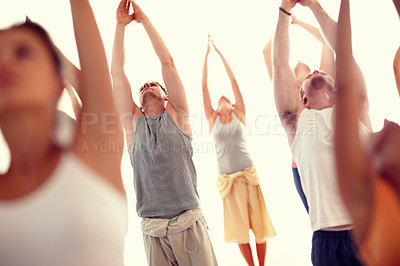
(42, 34)
(161, 86)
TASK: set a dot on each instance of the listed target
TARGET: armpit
(289, 119)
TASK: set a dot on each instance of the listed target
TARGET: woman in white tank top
(237, 182)
(59, 206)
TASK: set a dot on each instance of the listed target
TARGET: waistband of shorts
(161, 227)
(332, 234)
(167, 217)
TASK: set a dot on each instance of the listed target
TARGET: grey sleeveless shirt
(164, 174)
(230, 145)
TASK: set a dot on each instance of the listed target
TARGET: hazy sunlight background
(240, 29)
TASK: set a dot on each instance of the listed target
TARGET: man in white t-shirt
(309, 128)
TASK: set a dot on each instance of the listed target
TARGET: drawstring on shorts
(185, 236)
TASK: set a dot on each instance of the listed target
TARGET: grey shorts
(182, 240)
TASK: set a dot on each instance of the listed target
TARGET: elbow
(281, 68)
(116, 75)
(267, 48)
(279, 63)
(267, 51)
(396, 66)
(115, 70)
(168, 62)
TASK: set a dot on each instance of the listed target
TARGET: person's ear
(304, 100)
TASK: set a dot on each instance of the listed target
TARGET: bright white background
(240, 29)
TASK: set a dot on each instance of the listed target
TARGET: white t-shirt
(75, 218)
(312, 150)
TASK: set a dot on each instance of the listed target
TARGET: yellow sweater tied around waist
(225, 181)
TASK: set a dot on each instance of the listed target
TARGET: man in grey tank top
(158, 135)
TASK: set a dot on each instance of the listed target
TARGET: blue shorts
(333, 248)
(297, 183)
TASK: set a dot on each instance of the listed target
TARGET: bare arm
(235, 87)
(173, 83)
(128, 111)
(268, 58)
(206, 93)
(328, 26)
(70, 72)
(73, 81)
(74, 100)
(354, 168)
(327, 61)
(98, 122)
(287, 104)
(396, 69)
(397, 5)
(314, 31)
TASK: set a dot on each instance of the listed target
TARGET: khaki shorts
(182, 240)
(245, 209)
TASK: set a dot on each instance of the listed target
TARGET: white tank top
(75, 218)
(312, 150)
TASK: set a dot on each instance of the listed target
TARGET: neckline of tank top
(320, 110)
(233, 117)
(314, 111)
(55, 177)
(168, 117)
(153, 117)
(43, 188)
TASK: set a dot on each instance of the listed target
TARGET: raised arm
(235, 87)
(128, 111)
(73, 81)
(397, 5)
(396, 69)
(206, 94)
(354, 168)
(328, 26)
(76, 107)
(98, 123)
(267, 51)
(70, 72)
(327, 61)
(286, 101)
(173, 83)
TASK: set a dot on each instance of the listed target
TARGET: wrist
(121, 25)
(145, 19)
(284, 11)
